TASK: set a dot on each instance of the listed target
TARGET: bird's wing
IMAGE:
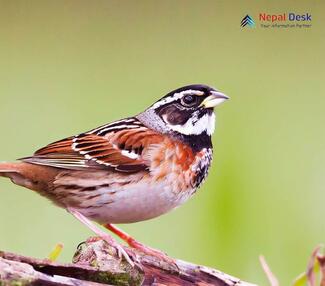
(118, 146)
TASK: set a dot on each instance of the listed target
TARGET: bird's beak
(214, 99)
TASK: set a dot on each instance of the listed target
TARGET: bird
(129, 170)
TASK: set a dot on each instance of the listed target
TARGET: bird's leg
(134, 243)
(111, 241)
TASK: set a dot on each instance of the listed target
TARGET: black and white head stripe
(175, 97)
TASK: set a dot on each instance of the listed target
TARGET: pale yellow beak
(214, 99)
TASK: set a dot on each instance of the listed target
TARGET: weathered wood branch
(97, 263)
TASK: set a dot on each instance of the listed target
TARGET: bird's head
(186, 111)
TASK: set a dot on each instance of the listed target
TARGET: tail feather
(28, 175)
(8, 168)
(13, 172)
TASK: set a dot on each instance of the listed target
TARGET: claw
(120, 251)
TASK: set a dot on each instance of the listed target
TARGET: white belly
(135, 203)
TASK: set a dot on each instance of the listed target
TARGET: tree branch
(97, 263)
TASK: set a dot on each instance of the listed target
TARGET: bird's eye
(189, 100)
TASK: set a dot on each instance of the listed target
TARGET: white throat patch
(195, 125)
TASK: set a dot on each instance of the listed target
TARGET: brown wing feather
(122, 150)
(62, 146)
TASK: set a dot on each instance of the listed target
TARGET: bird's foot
(121, 253)
(119, 248)
(161, 256)
(140, 246)
(110, 240)
(113, 243)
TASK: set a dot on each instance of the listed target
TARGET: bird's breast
(176, 163)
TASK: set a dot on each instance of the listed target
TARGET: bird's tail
(22, 174)
(8, 168)
(28, 175)
(12, 171)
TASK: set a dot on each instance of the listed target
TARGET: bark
(97, 263)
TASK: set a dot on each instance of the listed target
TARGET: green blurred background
(69, 66)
